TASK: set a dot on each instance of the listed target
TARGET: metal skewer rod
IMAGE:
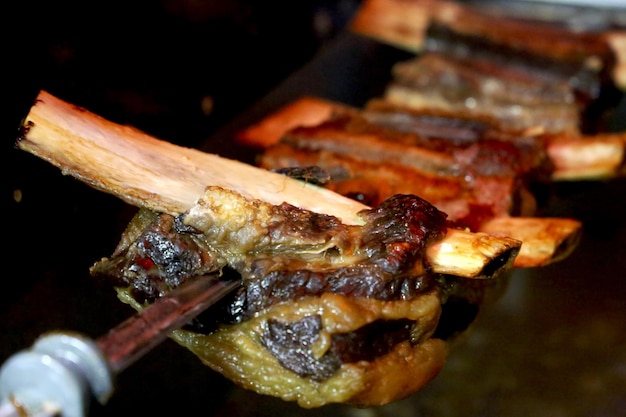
(139, 334)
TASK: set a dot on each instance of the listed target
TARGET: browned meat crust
(381, 260)
(385, 255)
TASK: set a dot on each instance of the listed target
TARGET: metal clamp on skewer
(63, 371)
(56, 376)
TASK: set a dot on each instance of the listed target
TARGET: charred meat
(290, 256)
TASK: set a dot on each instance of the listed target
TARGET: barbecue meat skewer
(336, 274)
(154, 174)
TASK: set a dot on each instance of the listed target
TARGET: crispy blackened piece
(398, 231)
(312, 174)
(390, 250)
(371, 341)
(363, 280)
(293, 344)
(156, 255)
(385, 256)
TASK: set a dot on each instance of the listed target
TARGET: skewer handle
(62, 371)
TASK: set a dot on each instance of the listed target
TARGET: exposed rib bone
(148, 172)
(545, 240)
(587, 157)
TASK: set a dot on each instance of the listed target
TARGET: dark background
(159, 64)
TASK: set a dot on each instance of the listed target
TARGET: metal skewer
(60, 373)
